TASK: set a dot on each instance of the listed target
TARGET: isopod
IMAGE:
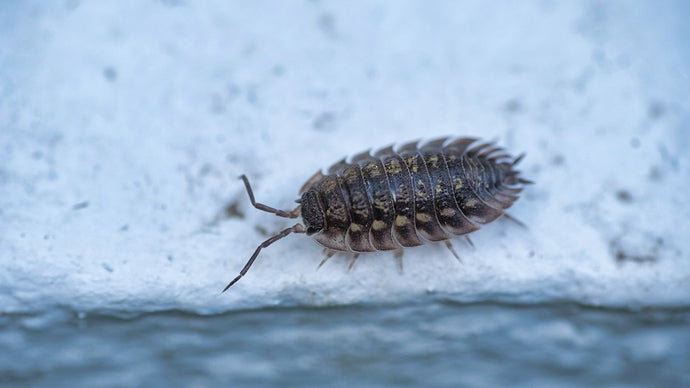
(394, 199)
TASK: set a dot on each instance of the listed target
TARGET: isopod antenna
(298, 228)
(266, 208)
(294, 229)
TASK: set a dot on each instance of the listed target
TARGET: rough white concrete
(123, 127)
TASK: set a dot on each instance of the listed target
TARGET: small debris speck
(324, 122)
(655, 174)
(326, 23)
(71, 5)
(512, 106)
(636, 247)
(172, 3)
(81, 205)
(624, 196)
(261, 230)
(656, 110)
(278, 70)
(233, 210)
(110, 74)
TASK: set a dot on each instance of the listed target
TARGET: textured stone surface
(123, 127)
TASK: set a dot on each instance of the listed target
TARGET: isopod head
(313, 214)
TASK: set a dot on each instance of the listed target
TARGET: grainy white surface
(123, 127)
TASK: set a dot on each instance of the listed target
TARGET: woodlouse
(401, 198)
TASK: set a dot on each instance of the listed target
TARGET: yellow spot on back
(328, 184)
(458, 183)
(401, 220)
(439, 188)
(356, 228)
(411, 164)
(393, 167)
(447, 212)
(423, 217)
(373, 169)
(378, 225)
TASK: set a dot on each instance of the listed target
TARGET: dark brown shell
(401, 198)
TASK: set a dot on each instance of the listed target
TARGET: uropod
(399, 198)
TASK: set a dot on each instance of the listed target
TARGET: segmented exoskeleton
(402, 198)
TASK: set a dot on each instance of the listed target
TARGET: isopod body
(398, 198)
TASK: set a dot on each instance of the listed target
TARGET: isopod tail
(293, 229)
(518, 159)
(515, 174)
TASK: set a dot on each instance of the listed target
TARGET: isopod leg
(294, 229)
(280, 213)
(352, 262)
(515, 220)
(469, 241)
(452, 250)
(399, 257)
(329, 254)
